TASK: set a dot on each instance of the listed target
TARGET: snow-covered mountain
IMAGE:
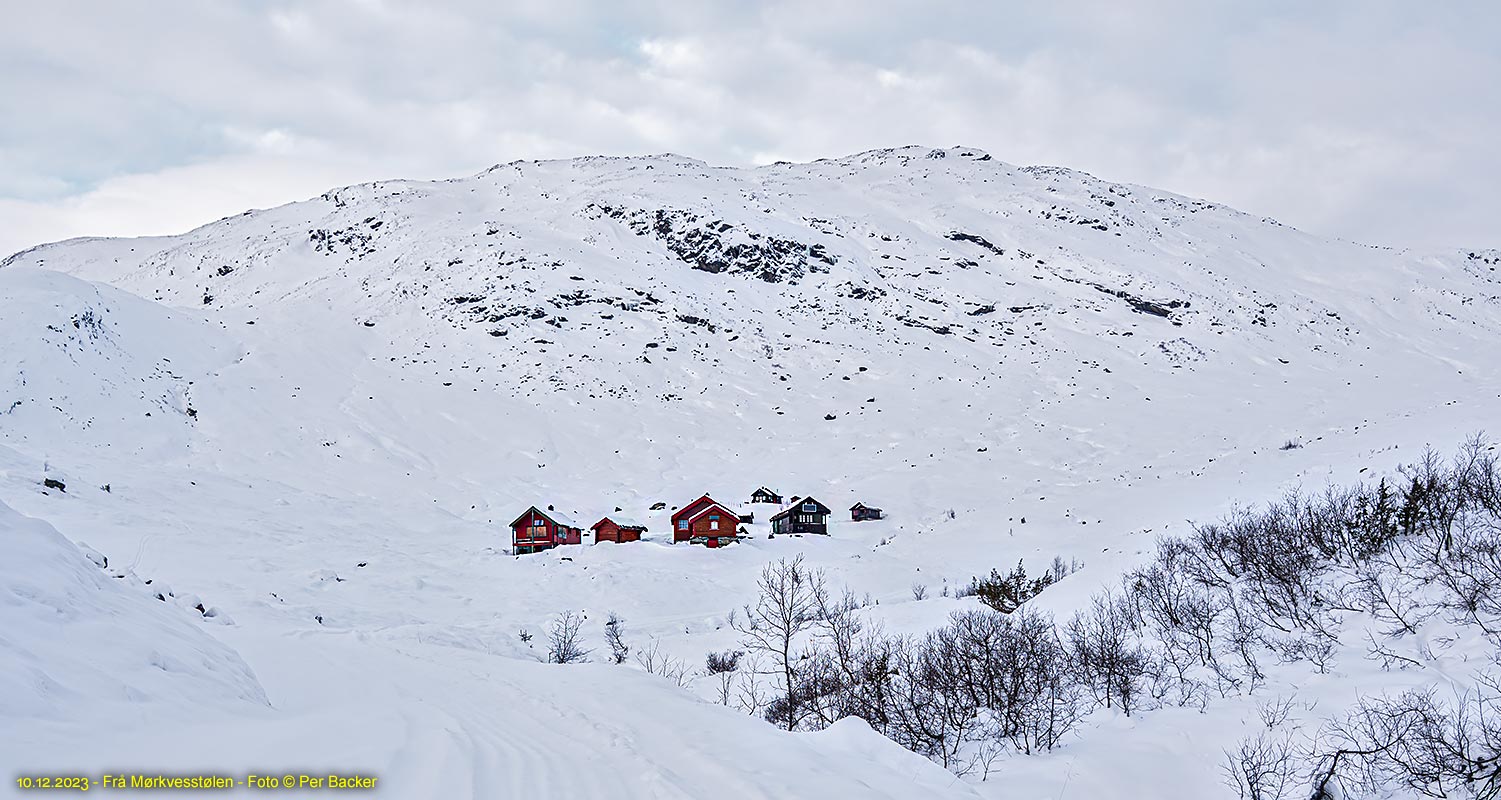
(319, 419)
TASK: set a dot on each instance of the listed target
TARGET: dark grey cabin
(765, 495)
(805, 516)
(861, 512)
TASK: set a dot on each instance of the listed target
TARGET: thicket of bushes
(1201, 619)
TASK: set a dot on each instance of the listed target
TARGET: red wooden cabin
(617, 529)
(705, 520)
(538, 530)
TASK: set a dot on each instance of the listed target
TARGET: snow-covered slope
(76, 641)
(101, 675)
(326, 419)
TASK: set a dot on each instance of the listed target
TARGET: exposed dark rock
(699, 321)
(702, 245)
(916, 323)
(961, 236)
(359, 243)
(863, 292)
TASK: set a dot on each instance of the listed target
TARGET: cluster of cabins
(704, 521)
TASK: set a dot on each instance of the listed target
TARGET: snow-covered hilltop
(909, 282)
(320, 418)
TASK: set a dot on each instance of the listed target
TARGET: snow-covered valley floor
(305, 427)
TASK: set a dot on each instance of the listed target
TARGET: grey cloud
(1367, 120)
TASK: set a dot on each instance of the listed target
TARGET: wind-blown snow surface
(75, 643)
(324, 422)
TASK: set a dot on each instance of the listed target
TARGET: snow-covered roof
(693, 509)
(796, 506)
(624, 522)
(557, 517)
(561, 519)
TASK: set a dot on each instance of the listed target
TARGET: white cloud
(171, 200)
(1369, 120)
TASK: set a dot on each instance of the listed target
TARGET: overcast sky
(1369, 120)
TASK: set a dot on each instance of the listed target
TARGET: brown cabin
(617, 529)
(538, 530)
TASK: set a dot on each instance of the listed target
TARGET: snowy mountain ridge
(320, 417)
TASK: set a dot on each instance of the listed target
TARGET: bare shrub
(787, 606)
(722, 667)
(615, 638)
(653, 660)
(1262, 767)
(563, 640)
(727, 661)
(1417, 742)
(1105, 653)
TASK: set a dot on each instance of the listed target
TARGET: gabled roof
(734, 515)
(858, 506)
(552, 516)
(763, 490)
(797, 507)
(622, 522)
(693, 507)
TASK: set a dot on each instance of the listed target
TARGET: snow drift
(77, 641)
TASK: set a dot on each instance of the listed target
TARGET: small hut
(861, 512)
(765, 495)
(617, 529)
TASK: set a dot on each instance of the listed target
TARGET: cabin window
(714, 523)
(809, 507)
(537, 523)
(682, 524)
